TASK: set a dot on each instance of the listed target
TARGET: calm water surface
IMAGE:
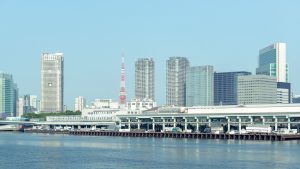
(34, 151)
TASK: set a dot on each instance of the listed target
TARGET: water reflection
(64, 151)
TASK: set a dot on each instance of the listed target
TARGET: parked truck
(172, 129)
(258, 129)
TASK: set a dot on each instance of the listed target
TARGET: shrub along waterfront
(42, 116)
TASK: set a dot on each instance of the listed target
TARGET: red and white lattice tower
(122, 98)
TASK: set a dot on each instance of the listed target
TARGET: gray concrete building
(144, 79)
(257, 89)
(52, 82)
(176, 81)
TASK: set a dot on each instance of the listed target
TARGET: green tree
(42, 116)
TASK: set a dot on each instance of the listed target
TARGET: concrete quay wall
(222, 136)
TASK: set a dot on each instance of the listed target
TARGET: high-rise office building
(225, 87)
(7, 94)
(15, 99)
(52, 82)
(257, 89)
(38, 105)
(33, 102)
(30, 103)
(144, 79)
(80, 103)
(272, 62)
(200, 86)
(26, 107)
(176, 81)
(20, 106)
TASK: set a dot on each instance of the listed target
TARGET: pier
(222, 136)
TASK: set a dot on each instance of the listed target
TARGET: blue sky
(93, 34)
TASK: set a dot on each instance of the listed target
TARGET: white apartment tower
(52, 82)
(144, 79)
(20, 111)
(80, 103)
(272, 62)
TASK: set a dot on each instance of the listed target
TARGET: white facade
(283, 96)
(38, 104)
(246, 109)
(73, 118)
(90, 115)
(104, 114)
(80, 103)
(104, 103)
(33, 101)
(137, 106)
(20, 107)
(52, 82)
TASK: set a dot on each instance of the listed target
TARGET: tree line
(42, 116)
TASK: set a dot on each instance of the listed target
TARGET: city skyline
(149, 84)
(189, 65)
(90, 59)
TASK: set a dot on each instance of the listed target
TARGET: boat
(9, 127)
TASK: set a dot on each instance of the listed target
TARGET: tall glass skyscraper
(144, 79)
(225, 87)
(52, 82)
(176, 81)
(200, 86)
(272, 62)
(6, 94)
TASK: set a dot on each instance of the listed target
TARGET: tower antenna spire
(122, 98)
